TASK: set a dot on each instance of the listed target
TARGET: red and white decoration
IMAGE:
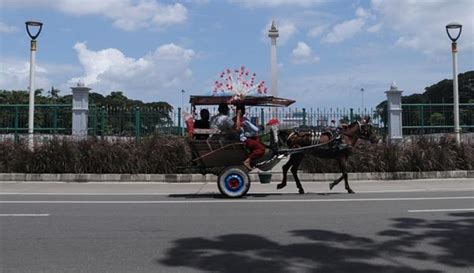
(238, 82)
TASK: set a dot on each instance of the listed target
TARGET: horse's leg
(335, 182)
(285, 168)
(342, 164)
(294, 170)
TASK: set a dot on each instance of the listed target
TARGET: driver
(249, 136)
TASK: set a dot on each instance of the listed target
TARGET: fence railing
(56, 119)
(52, 118)
(141, 121)
(436, 118)
(312, 117)
(135, 122)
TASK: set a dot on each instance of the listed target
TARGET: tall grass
(157, 154)
(163, 154)
(423, 154)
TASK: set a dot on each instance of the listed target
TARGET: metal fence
(142, 121)
(51, 118)
(56, 119)
(436, 118)
(135, 121)
(312, 117)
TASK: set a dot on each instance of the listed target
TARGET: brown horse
(330, 148)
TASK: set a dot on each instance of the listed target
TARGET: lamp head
(30, 25)
(454, 31)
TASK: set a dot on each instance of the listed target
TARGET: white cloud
(198, 2)
(341, 87)
(286, 30)
(375, 28)
(14, 75)
(125, 14)
(344, 31)
(4, 28)
(362, 13)
(349, 28)
(277, 3)
(151, 76)
(303, 54)
(316, 31)
(421, 24)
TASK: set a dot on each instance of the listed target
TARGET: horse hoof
(280, 186)
(331, 185)
(301, 191)
(350, 191)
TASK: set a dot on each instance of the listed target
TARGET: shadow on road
(247, 196)
(219, 196)
(328, 251)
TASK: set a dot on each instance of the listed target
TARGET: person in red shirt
(249, 136)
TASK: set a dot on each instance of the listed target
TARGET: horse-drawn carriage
(223, 157)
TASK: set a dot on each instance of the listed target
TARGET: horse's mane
(347, 126)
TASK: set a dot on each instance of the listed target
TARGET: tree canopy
(114, 99)
(442, 92)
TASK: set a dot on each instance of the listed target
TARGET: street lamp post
(454, 31)
(182, 110)
(30, 26)
(182, 98)
(362, 92)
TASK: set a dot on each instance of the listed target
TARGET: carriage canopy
(247, 100)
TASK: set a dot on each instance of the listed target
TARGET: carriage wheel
(233, 182)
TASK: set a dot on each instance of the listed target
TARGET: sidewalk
(137, 188)
(198, 178)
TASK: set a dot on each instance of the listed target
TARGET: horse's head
(284, 134)
(367, 131)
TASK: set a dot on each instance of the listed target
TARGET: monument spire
(273, 34)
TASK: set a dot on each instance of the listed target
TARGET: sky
(328, 50)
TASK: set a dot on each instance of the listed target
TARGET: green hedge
(163, 154)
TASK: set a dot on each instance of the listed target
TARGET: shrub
(165, 153)
(423, 154)
(157, 154)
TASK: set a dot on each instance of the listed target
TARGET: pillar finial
(393, 86)
(80, 83)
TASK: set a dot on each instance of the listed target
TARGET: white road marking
(93, 193)
(439, 210)
(24, 215)
(238, 201)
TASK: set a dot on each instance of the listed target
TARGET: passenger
(223, 122)
(202, 123)
(249, 136)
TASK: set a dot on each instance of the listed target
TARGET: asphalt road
(410, 226)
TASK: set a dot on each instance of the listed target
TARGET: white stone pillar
(394, 113)
(80, 110)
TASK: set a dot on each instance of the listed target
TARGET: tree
(54, 93)
(440, 92)
(437, 119)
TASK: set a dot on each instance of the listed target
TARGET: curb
(198, 178)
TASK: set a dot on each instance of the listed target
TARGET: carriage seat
(198, 131)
